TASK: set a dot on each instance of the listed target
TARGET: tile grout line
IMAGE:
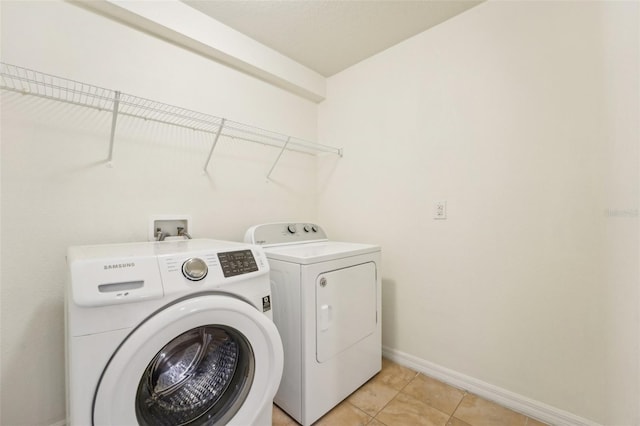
(454, 410)
(458, 406)
(385, 405)
(395, 396)
(357, 408)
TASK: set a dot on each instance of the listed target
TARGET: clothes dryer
(170, 333)
(326, 305)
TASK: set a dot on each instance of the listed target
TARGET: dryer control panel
(273, 234)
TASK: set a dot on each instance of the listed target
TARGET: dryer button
(195, 269)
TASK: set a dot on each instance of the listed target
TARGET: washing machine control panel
(237, 262)
(211, 269)
(138, 272)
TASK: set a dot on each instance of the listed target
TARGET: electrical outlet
(440, 210)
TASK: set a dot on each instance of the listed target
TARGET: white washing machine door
(206, 360)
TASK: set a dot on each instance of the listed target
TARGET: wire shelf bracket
(278, 158)
(30, 82)
(213, 146)
(114, 120)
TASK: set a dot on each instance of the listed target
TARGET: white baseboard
(62, 422)
(508, 399)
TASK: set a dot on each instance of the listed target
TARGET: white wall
(57, 191)
(524, 117)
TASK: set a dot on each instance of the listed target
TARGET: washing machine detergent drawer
(345, 308)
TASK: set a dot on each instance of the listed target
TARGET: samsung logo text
(120, 265)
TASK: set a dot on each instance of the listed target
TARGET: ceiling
(329, 36)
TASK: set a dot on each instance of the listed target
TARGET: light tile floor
(399, 396)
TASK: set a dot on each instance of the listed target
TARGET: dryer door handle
(325, 317)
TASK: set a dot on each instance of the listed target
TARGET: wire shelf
(36, 83)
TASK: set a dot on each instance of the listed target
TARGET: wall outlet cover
(440, 209)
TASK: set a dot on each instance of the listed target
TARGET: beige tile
(372, 397)
(375, 422)
(280, 418)
(394, 375)
(434, 393)
(534, 422)
(344, 414)
(479, 412)
(456, 422)
(404, 410)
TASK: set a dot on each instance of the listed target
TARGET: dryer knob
(292, 229)
(195, 269)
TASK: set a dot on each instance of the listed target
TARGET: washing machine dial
(292, 229)
(194, 269)
(307, 228)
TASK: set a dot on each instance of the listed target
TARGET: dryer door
(346, 308)
(211, 359)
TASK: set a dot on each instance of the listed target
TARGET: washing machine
(326, 305)
(170, 333)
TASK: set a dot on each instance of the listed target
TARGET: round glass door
(201, 377)
(203, 360)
